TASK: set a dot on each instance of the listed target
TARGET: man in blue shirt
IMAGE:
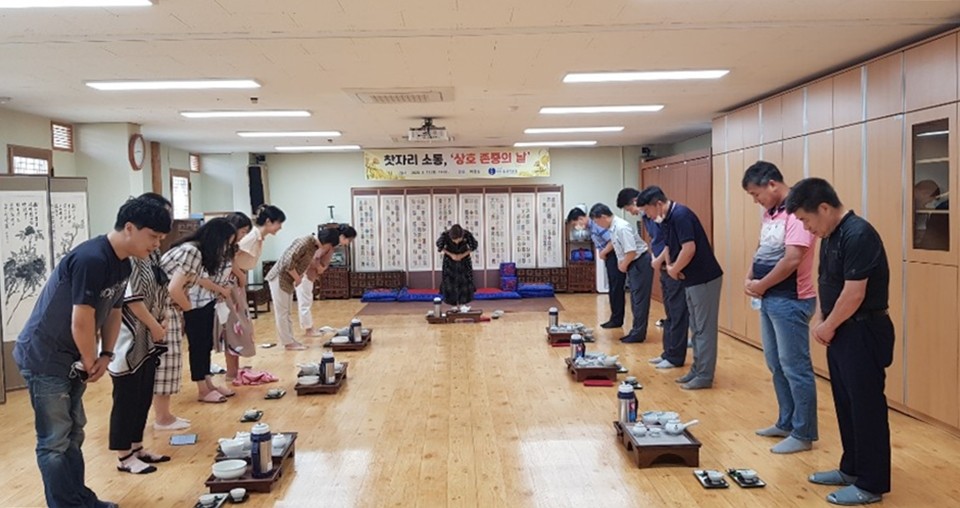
(677, 322)
(690, 261)
(616, 280)
(57, 351)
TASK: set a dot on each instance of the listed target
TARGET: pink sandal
(213, 397)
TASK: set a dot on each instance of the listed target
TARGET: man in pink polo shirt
(781, 277)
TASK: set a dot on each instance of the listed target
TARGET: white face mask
(658, 219)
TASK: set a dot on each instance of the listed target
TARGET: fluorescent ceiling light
(290, 134)
(599, 109)
(604, 77)
(568, 130)
(933, 133)
(317, 148)
(253, 113)
(554, 143)
(193, 84)
(25, 4)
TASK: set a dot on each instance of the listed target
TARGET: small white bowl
(207, 500)
(229, 469)
(308, 380)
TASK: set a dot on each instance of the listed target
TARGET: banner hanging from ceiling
(456, 163)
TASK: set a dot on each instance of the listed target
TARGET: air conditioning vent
(402, 95)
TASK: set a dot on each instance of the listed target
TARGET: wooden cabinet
(884, 210)
(333, 283)
(734, 270)
(793, 160)
(820, 106)
(932, 342)
(771, 121)
(719, 134)
(848, 166)
(885, 86)
(721, 233)
(752, 219)
(848, 97)
(792, 114)
(932, 181)
(930, 73)
(750, 125)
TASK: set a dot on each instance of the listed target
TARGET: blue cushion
(379, 295)
(498, 295)
(417, 295)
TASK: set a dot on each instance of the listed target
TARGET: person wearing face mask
(677, 322)
(690, 260)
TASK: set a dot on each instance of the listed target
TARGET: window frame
(30, 153)
(69, 127)
(182, 173)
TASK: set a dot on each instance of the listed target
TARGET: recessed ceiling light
(568, 130)
(603, 77)
(191, 84)
(289, 134)
(554, 143)
(317, 148)
(24, 4)
(263, 113)
(600, 109)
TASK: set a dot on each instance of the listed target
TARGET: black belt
(865, 315)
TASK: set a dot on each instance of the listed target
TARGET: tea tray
(340, 379)
(288, 451)
(583, 373)
(247, 481)
(365, 340)
(471, 316)
(646, 450)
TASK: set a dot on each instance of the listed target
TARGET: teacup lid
(553, 309)
(260, 428)
(625, 388)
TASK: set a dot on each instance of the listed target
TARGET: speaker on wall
(259, 188)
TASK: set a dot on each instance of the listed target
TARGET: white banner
(523, 208)
(392, 233)
(471, 219)
(367, 243)
(68, 214)
(421, 244)
(549, 230)
(456, 163)
(25, 254)
(497, 238)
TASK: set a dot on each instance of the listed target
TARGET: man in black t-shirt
(853, 323)
(57, 350)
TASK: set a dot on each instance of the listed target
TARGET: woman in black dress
(457, 286)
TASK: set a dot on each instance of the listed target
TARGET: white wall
(101, 154)
(225, 183)
(302, 185)
(23, 129)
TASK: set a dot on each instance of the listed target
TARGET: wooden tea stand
(365, 340)
(583, 373)
(247, 481)
(471, 316)
(558, 337)
(320, 388)
(646, 450)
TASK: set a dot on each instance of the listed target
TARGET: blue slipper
(853, 496)
(832, 477)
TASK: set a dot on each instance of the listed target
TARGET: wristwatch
(108, 354)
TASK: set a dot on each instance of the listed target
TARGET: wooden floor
(484, 415)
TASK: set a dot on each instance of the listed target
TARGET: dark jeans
(198, 323)
(640, 274)
(678, 320)
(857, 357)
(59, 421)
(616, 280)
(132, 397)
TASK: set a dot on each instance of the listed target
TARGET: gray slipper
(853, 496)
(832, 477)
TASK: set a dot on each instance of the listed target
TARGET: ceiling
(503, 60)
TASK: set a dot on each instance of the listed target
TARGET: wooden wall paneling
(931, 73)
(752, 216)
(848, 166)
(651, 176)
(885, 86)
(932, 342)
(156, 178)
(773, 153)
(750, 125)
(735, 130)
(792, 167)
(771, 119)
(948, 112)
(820, 161)
(719, 134)
(820, 106)
(885, 212)
(721, 233)
(792, 114)
(734, 269)
(848, 97)
(699, 192)
(674, 180)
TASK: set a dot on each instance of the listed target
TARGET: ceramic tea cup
(238, 493)
(654, 432)
(232, 447)
(251, 413)
(207, 500)
(650, 417)
(714, 476)
(638, 430)
(279, 441)
(309, 369)
(274, 392)
(631, 380)
(667, 416)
